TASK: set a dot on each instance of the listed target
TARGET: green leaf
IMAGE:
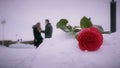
(62, 24)
(85, 22)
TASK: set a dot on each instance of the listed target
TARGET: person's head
(46, 21)
(38, 24)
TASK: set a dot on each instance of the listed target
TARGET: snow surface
(61, 51)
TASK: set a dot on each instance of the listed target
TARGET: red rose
(90, 39)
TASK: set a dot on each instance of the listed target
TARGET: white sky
(21, 15)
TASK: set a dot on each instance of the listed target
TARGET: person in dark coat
(48, 29)
(38, 39)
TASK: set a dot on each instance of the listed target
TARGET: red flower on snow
(90, 39)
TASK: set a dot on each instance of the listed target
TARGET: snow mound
(62, 51)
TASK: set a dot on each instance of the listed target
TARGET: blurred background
(21, 15)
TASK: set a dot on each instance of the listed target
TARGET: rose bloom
(90, 39)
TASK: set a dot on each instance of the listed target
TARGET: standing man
(48, 29)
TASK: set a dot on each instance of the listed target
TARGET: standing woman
(38, 39)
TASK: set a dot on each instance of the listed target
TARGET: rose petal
(90, 39)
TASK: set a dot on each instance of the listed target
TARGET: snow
(61, 51)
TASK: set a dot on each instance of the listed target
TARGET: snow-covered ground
(61, 51)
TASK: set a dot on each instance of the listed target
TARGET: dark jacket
(48, 31)
(37, 34)
(37, 37)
